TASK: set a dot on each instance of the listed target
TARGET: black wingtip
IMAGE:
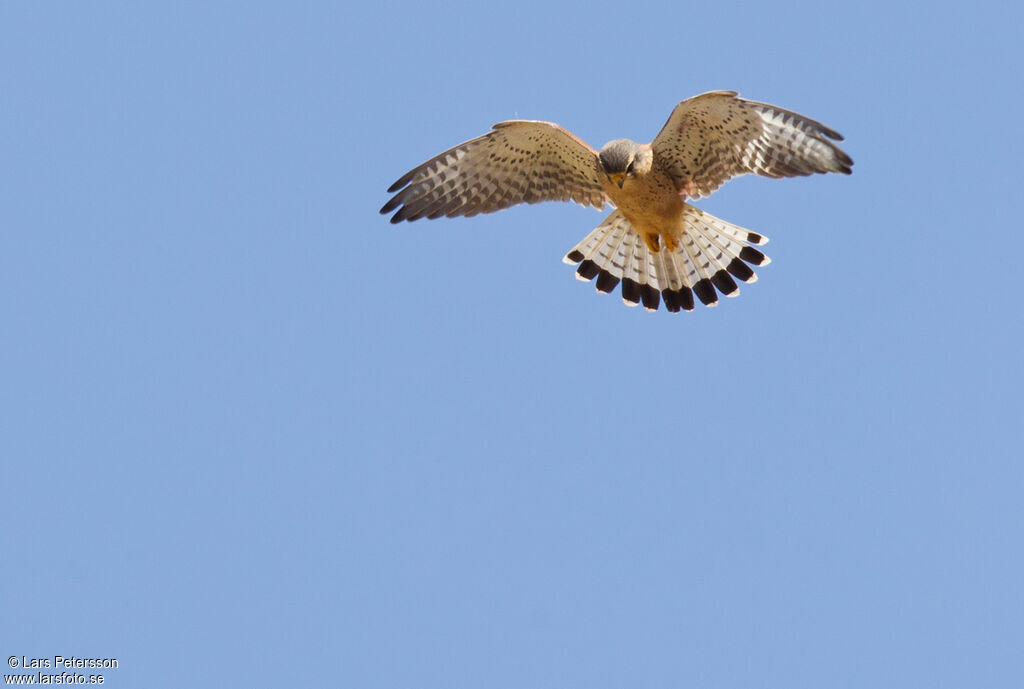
(403, 213)
(391, 205)
(574, 256)
(402, 181)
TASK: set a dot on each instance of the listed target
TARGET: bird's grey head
(618, 159)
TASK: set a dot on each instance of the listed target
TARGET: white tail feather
(710, 254)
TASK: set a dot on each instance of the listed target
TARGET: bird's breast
(648, 202)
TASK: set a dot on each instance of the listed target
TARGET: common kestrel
(656, 244)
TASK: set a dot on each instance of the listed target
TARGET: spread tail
(710, 253)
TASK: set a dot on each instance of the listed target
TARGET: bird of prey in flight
(656, 244)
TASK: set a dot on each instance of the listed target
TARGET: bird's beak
(618, 178)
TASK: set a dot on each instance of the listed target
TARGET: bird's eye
(629, 169)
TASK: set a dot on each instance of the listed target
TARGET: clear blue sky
(253, 435)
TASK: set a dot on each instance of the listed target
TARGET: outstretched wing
(713, 137)
(520, 161)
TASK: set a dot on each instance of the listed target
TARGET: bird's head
(620, 159)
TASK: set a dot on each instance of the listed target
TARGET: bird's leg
(671, 243)
(652, 241)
